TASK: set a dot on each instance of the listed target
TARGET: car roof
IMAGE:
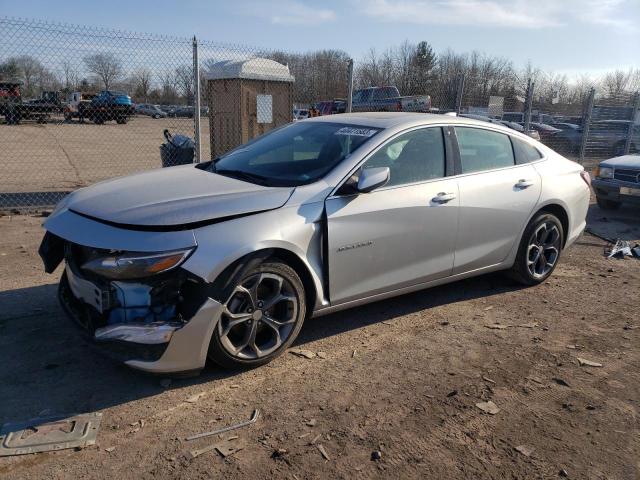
(386, 120)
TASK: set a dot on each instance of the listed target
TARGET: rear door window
(482, 150)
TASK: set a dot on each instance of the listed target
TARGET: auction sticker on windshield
(356, 132)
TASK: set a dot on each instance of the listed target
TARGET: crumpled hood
(174, 197)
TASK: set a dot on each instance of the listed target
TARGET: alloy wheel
(543, 249)
(258, 317)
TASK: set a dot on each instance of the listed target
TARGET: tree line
(323, 75)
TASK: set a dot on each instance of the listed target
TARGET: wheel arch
(560, 213)
(236, 268)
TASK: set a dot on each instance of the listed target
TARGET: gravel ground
(401, 377)
(62, 156)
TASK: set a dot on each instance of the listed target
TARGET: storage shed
(246, 98)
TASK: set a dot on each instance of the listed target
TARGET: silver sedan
(226, 259)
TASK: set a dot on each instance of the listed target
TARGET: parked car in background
(153, 111)
(518, 117)
(514, 126)
(617, 181)
(545, 131)
(388, 99)
(226, 259)
(183, 112)
(331, 107)
(300, 114)
(606, 137)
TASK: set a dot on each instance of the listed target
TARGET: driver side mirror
(372, 178)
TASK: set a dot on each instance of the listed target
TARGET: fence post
(196, 112)
(528, 104)
(634, 114)
(459, 93)
(350, 86)
(586, 122)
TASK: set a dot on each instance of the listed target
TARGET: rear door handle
(522, 184)
(443, 197)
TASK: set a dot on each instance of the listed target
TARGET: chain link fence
(83, 104)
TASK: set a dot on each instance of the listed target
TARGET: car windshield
(293, 155)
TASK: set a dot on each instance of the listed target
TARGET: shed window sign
(264, 107)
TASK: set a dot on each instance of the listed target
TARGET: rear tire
(605, 204)
(261, 318)
(539, 250)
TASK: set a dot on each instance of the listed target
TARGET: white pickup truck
(78, 104)
(388, 99)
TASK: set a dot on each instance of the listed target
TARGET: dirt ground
(62, 156)
(401, 377)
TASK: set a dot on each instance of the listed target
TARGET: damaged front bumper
(162, 324)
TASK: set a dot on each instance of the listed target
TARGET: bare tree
(142, 83)
(184, 82)
(105, 66)
(70, 76)
(617, 82)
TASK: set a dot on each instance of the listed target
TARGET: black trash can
(177, 150)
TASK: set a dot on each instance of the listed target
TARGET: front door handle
(443, 197)
(522, 184)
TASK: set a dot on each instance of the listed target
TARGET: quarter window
(525, 153)
(483, 149)
(412, 157)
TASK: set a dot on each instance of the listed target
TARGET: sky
(562, 36)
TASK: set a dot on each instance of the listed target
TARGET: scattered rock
(590, 407)
(109, 449)
(490, 307)
(487, 379)
(497, 326)
(452, 393)
(525, 450)
(560, 381)
(353, 354)
(278, 453)
(488, 407)
(444, 322)
(234, 386)
(315, 439)
(322, 355)
(322, 451)
(303, 353)
(196, 397)
(588, 363)
(376, 455)
(312, 422)
(563, 473)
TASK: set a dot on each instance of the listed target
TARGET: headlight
(604, 172)
(124, 265)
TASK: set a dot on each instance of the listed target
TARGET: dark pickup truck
(15, 109)
(388, 99)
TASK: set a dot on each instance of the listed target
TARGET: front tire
(539, 250)
(261, 318)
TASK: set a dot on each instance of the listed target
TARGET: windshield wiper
(242, 175)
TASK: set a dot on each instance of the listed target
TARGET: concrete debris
(524, 450)
(488, 407)
(196, 397)
(322, 451)
(303, 353)
(588, 363)
(376, 455)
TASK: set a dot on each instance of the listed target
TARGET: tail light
(586, 177)
(399, 106)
